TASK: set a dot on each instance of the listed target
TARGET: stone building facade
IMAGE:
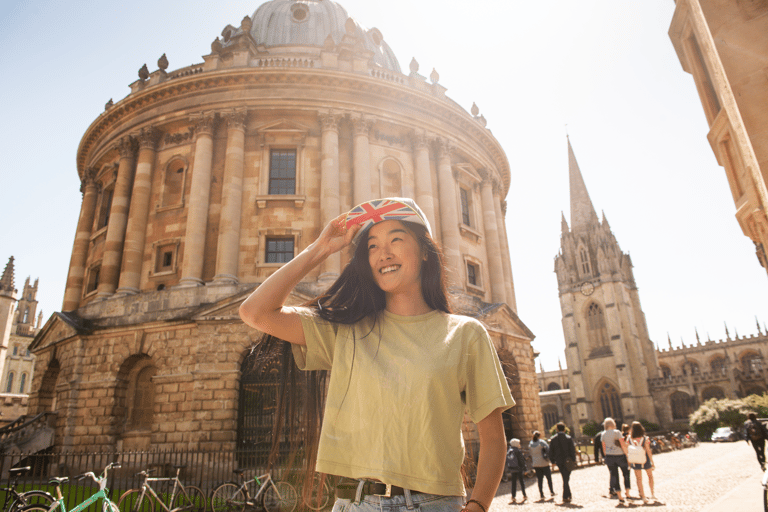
(204, 180)
(613, 368)
(723, 46)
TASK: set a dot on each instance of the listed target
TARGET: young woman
(402, 368)
(638, 438)
(615, 450)
(539, 449)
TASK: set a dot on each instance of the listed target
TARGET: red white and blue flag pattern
(380, 210)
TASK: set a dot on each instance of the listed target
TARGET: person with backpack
(540, 460)
(756, 434)
(640, 458)
(516, 465)
(563, 453)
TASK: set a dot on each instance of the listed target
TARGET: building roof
(309, 23)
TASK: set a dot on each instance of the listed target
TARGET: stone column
(118, 220)
(133, 252)
(506, 258)
(330, 204)
(228, 251)
(449, 209)
(199, 202)
(492, 247)
(361, 167)
(76, 275)
(425, 197)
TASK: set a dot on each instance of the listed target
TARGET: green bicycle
(59, 504)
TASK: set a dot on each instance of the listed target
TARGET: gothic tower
(7, 306)
(609, 355)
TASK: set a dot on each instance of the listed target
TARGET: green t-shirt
(397, 394)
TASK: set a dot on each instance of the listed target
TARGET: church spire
(6, 281)
(582, 212)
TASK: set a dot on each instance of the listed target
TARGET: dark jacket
(758, 426)
(520, 459)
(561, 447)
(598, 446)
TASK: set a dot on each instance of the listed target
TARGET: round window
(299, 12)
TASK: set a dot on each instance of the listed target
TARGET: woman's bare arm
(490, 464)
(264, 310)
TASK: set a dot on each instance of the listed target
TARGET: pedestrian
(540, 460)
(403, 369)
(516, 466)
(640, 443)
(615, 449)
(756, 434)
(562, 452)
(597, 447)
(626, 472)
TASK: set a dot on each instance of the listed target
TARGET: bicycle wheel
(35, 497)
(280, 497)
(319, 492)
(228, 497)
(190, 499)
(34, 508)
(131, 501)
(109, 506)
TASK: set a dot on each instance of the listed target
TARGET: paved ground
(708, 478)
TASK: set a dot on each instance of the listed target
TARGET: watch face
(587, 288)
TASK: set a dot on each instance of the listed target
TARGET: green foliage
(718, 413)
(650, 427)
(758, 404)
(553, 430)
(590, 428)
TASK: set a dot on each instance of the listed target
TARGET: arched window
(597, 332)
(25, 320)
(9, 385)
(682, 405)
(712, 392)
(665, 371)
(718, 364)
(610, 403)
(141, 401)
(752, 362)
(553, 386)
(173, 183)
(690, 368)
(584, 261)
(23, 382)
(390, 183)
(550, 416)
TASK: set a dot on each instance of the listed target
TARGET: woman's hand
(336, 236)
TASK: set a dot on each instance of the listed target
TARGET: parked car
(725, 434)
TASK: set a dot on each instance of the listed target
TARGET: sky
(603, 72)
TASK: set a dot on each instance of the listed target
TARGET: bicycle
(275, 496)
(183, 498)
(320, 492)
(102, 494)
(19, 500)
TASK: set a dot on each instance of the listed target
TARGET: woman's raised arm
(264, 310)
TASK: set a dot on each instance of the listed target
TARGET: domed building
(203, 180)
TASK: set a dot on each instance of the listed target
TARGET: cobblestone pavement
(710, 477)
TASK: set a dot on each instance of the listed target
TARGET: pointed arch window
(752, 362)
(597, 332)
(610, 403)
(718, 365)
(682, 405)
(23, 382)
(9, 385)
(584, 261)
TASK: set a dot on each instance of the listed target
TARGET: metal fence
(205, 470)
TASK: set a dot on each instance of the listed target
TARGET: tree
(718, 413)
(591, 428)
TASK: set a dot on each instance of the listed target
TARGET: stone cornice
(112, 123)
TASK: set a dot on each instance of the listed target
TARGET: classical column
(199, 202)
(228, 251)
(506, 258)
(118, 220)
(135, 234)
(361, 167)
(425, 197)
(330, 204)
(449, 208)
(492, 247)
(76, 275)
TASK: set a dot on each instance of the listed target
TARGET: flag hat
(403, 209)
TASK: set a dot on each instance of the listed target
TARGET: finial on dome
(143, 72)
(434, 77)
(216, 45)
(350, 27)
(414, 65)
(246, 24)
(474, 110)
(109, 104)
(481, 120)
(162, 62)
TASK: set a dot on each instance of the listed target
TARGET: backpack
(754, 431)
(512, 459)
(544, 451)
(636, 453)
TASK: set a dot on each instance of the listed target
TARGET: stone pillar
(425, 197)
(361, 167)
(133, 252)
(449, 209)
(76, 275)
(492, 247)
(506, 258)
(199, 202)
(228, 251)
(118, 220)
(330, 204)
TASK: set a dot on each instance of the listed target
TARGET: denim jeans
(408, 503)
(614, 462)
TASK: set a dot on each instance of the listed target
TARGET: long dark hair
(351, 298)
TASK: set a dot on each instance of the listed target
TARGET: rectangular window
(279, 250)
(106, 206)
(165, 258)
(93, 279)
(282, 172)
(472, 274)
(465, 218)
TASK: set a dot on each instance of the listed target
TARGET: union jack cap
(403, 209)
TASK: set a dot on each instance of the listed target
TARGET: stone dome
(309, 23)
